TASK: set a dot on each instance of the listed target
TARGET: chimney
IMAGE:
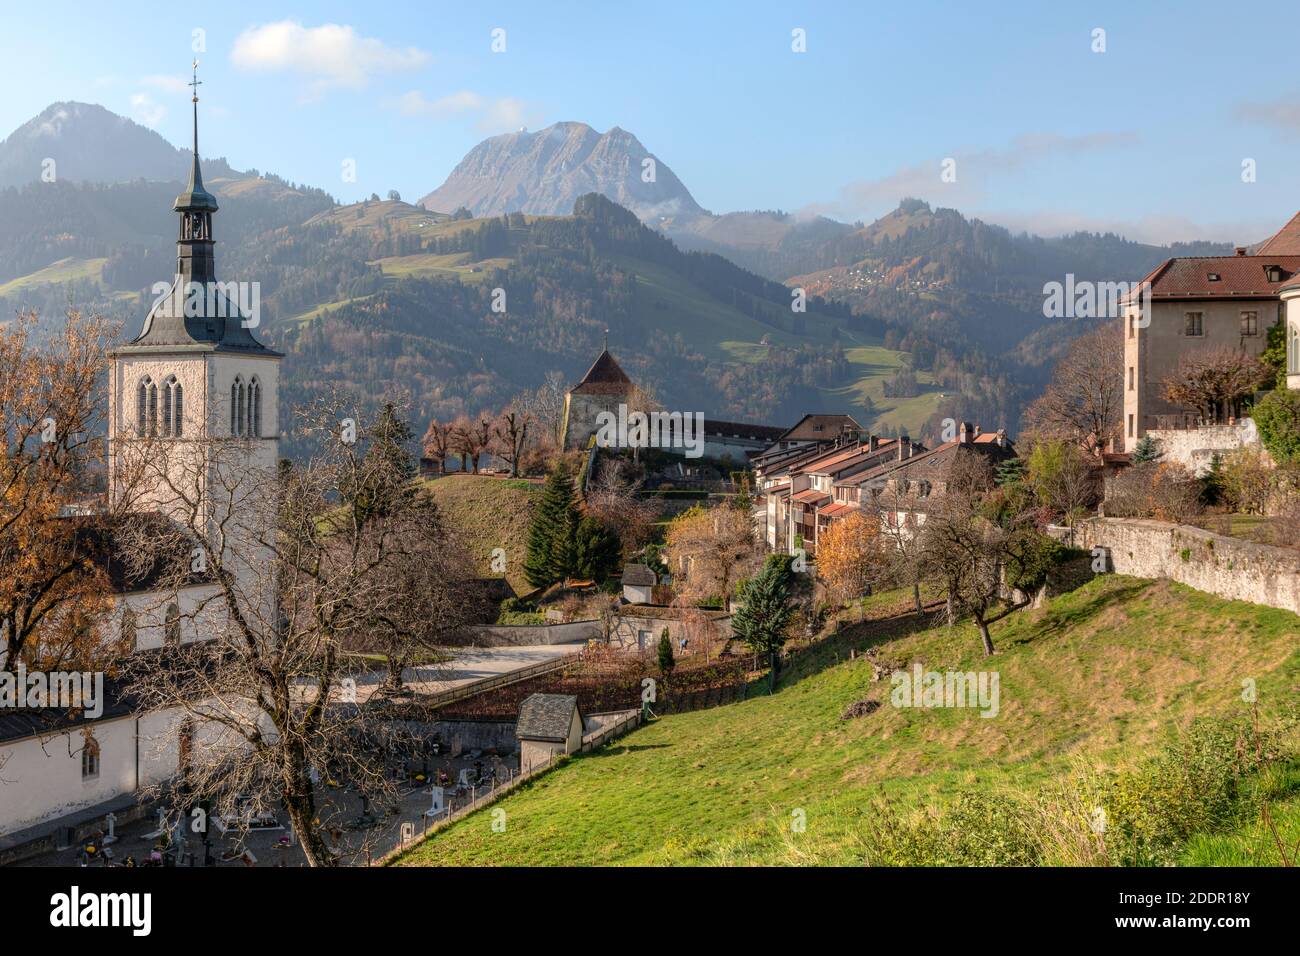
(977, 431)
(963, 434)
(1002, 438)
(873, 442)
(1240, 250)
(904, 448)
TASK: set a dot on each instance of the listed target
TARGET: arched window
(172, 630)
(129, 628)
(146, 408)
(238, 409)
(173, 408)
(255, 408)
(89, 758)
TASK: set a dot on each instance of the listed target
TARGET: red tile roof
(838, 510)
(1238, 276)
(1284, 242)
(810, 496)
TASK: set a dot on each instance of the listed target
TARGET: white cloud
(974, 169)
(491, 115)
(330, 55)
(145, 111)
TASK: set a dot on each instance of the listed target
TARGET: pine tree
(551, 532)
(762, 619)
(1148, 449)
(598, 551)
(666, 660)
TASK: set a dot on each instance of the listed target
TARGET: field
(65, 270)
(1102, 675)
(489, 513)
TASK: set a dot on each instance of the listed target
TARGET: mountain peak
(543, 172)
(89, 143)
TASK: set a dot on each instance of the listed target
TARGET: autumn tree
(849, 555)
(1063, 479)
(710, 550)
(54, 594)
(1084, 401)
(612, 497)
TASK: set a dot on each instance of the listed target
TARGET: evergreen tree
(551, 532)
(762, 619)
(666, 660)
(597, 550)
(1148, 449)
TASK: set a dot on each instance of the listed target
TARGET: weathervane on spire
(195, 83)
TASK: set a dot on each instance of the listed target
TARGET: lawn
(1103, 674)
(488, 513)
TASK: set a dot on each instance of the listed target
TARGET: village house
(1197, 305)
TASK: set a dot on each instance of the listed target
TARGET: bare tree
(511, 437)
(546, 405)
(439, 443)
(1084, 401)
(975, 552)
(1214, 384)
(612, 498)
(292, 561)
(465, 443)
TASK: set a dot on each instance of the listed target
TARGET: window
(146, 408)
(1250, 323)
(1130, 426)
(173, 411)
(238, 411)
(1132, 326)
(89, 759)
(172, 628)
(129, 629)
(1194, 323)
(1292, 349)
(255, 408)
(1132, 378)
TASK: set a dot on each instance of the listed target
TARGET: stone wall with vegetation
(1229, 567)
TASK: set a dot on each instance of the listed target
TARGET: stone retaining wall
(1228, 567)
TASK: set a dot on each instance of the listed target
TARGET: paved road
(468, 664)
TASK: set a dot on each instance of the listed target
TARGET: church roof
(605, 377)
(216, 324)
(114, 546)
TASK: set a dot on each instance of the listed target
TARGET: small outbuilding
(549, 725)
(638, 584)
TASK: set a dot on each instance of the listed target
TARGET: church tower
(194, 391)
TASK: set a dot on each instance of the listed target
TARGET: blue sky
(1147, 138)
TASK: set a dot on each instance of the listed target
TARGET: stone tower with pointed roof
(602, 389)
(195, 385)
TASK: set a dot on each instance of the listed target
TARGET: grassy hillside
(64, 270)
(1103, 675)
(489, 513)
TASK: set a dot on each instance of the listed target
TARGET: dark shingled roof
(605, 377)
(108, 543)
(546, 717)
(639, 575)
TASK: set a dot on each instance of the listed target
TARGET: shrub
(1246, 479)
(1277, 416)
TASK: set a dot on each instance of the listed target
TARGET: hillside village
(429, 621)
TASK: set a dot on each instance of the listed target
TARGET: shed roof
(546, 717)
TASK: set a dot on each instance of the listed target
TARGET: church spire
(194, 258)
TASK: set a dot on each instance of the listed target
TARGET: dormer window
(1274, 273)
(1213, 277)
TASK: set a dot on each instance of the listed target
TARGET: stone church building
(194, 380)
